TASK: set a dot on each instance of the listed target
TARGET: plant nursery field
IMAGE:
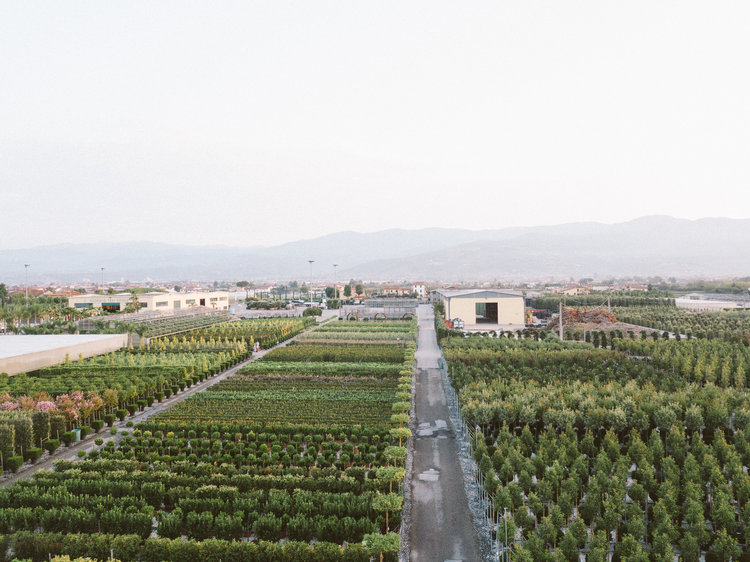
(638, 452)
(269, 464)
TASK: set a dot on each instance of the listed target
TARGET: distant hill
(654, 245)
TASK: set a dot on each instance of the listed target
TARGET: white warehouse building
(483, 308)
(153, 302)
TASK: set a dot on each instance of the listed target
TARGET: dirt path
(441, 523)
(71, 453)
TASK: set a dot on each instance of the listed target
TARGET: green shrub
(131, 408)
(356, 552)
(156, 550)
(227, 527)
(312, 311)
(13, 463)
(68, 437)
(51, 445)
(40, 426)
(185, 551)
(199, 525)
(32, 454)
(97, 425)
(110, 419)
(170, 524)
(268, 527)
(328, 551)
(85, 431)
(126, 547)
(300, 528)
(121, 413)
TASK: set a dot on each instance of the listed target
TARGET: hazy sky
(249, 123)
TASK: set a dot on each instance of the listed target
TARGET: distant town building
(419, 288)
(397, 291)
(158, 302)
(572, 290)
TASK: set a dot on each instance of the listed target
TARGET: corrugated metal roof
(477, 294)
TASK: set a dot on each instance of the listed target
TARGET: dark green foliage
(13, 463)
(51, 445)
(32, 454)
(268, 527)
(312, 311)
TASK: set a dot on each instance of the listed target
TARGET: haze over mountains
(653, 245)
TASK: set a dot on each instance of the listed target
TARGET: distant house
(572, 290)
(397, 291)
(61, 293)
(419, 288)
(33, 291)
(259, 291)
(602, 288)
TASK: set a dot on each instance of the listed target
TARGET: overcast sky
(249, 123)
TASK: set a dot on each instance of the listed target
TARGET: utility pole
(609, 305)
(561, 327)
(102, 279)
(335, 288)
(26, 265)
(310, 287)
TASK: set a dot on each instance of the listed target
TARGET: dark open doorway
(486, 312)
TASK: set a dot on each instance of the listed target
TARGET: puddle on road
(430, 475)
(427, 429)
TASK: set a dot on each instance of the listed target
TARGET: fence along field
(229, 472)
(601, 452)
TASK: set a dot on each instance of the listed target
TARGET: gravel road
(441, 523)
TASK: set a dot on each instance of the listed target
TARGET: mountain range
(652, 245)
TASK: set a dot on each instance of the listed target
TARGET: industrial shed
(485, 309)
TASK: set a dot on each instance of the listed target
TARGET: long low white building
(22, 354)
(158, 302)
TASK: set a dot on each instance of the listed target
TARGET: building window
(162, 303)
(84, 305)
(190, 301)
